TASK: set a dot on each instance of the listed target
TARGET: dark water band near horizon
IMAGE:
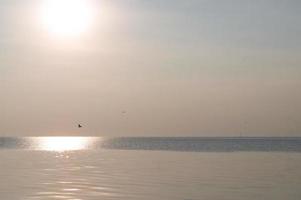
(186, 144)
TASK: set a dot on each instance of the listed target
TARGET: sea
(150, 168)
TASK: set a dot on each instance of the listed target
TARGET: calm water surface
(150, 168)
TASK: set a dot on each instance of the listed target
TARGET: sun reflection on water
(64, 143)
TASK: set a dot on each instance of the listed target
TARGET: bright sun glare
(66, 17)
(63, 143)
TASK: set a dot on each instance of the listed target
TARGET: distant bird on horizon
(79, 126)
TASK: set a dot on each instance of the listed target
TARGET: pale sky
(153, 68)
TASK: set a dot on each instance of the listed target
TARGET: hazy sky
(154, 68)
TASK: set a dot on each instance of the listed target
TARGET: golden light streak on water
(60, 144)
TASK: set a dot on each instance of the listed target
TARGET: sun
(66, 17)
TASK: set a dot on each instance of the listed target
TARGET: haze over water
(167, 68)
(177, 68)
